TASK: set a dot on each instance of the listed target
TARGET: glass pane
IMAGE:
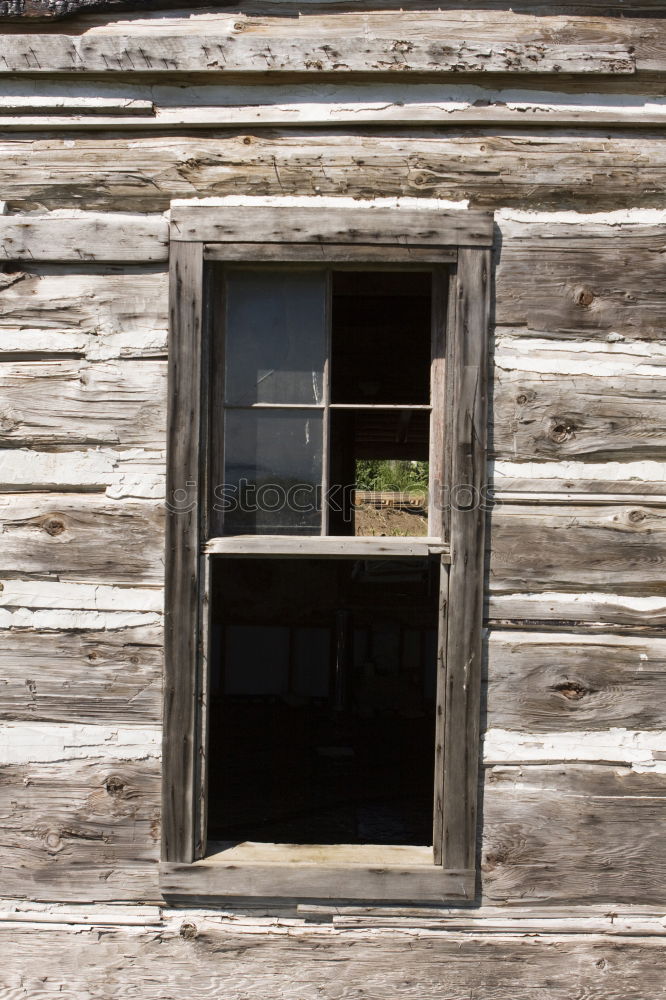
(275, 336)
(379, 472)
(273, 467)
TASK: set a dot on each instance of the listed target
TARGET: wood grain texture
(78, 237)
(82, 538)
(185, 490)
(297, 224)
(203, 953)
(217, 879)
(80, 830)
(84, 310)
(559, 682)
(371, 43)
(465, 473)
(559, 416)
(573, 833)
(79, 676)
(49, 403)
(586, 278)
(553, 168)
(617, 550)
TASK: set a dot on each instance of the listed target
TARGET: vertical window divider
(326, 400)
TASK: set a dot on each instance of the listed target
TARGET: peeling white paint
(79, 596)
(65, 620)
(600, 358)
(323, 201)
(46, 742)
(642, 605)
(641, 750)
(131, 473)
(647, 471)
(620, 217)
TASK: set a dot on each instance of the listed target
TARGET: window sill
(369, 547)
(338, 871)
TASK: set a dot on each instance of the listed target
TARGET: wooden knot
(522, 399)
(93, 656)
(115, 786)
(188, 930)
(572, 690)
(584, 296)
(561, 431)
(247, 140)
(636, 516)
(53, 526)
(53, 841)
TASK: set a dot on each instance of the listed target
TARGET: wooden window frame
(462, 242)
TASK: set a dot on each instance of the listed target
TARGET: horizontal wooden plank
(370, 43)
(50, 403)
(541, 549)
(82, 538)
(272, 958)
(106, 676)
(214, 878)
(559, 682)
(582, 276)
(62, 236)
(534, 168)
(298, 224)
(573, 834)
(331, 546)
(80, 830)
(322, 252)
(86, 310)
(580, 479)
(542, 415)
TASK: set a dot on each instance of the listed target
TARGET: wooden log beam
(82, 676)
(83, 828)
(81, 538)
(573, 833)
(317, 962)
(80, 236)
(610, 549)
(534, 169)
(432, 43)
(47, 403)
(542, 682)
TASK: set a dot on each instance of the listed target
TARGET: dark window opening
(322, 700)
(381, 338)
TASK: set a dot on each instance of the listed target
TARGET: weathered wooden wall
(574, 783)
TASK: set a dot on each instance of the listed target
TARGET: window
(324, 572)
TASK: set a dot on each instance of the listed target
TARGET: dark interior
(322, 700)
(381, 337)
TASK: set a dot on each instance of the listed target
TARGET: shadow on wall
(12, 10)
